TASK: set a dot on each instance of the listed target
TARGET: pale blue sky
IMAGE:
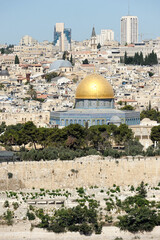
(38, 17)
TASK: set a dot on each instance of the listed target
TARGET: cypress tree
(125, 58)
(71, 59)
(141, 58)
(16, 60)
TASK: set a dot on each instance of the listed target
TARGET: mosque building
(94, 105)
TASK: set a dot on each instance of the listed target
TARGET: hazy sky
(38, 17)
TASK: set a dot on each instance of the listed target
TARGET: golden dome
(94, 86)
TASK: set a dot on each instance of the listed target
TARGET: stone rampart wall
(86, 171)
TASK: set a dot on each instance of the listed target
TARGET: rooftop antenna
(128, 8)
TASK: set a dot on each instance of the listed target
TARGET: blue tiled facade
(94, 112)
(94, 103)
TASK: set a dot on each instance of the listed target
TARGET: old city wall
(86, 171)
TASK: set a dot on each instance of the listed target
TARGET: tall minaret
(93, 40)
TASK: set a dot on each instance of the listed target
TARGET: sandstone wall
(86, 171)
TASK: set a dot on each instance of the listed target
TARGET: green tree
(142, 192)
(71, 59)
(127, 107)
(149, 106)
(125, 57)
(138, 59)
(141, 60)
(10, 137)
(2, 127)
(30, 215)
(123, 134)
(29, 133)
(133, 148)
(8, 216)
(43, 136)
(99, 136)
(2, 50)
(138, 220)
(32, 92)
(120, 103)
(98, 46)
(155, 134)
(49, 76)
(6, 204)
(151, 114)
(85, 61)
(16, 60)
(65, 55)
(150, 74)
(80, 218)
(15, 205)
(74, 136)
(1, 86)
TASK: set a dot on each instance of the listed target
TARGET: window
(66, 122)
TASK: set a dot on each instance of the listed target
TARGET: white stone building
(28, 40)
(105, 35)
(129, 30)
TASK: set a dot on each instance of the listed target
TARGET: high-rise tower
(129, 29)
(62, 37)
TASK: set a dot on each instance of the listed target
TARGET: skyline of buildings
(71, 15)
(62, 36)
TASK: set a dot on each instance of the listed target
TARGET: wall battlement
(86, 171)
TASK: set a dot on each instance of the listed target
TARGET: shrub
(85, 229)
(150, 151)
(30, 215)
(109, 219)
(8, 216)
(15, 205)
(56, 227)
(81, 190)
(142, 191)
(67, 154)
(73, 228)
(92, 151)
(132, 188)
(79, 218)
(113, 153)
(10, 175)
(6, 204)
(98, 228)
(138, 219)
(133, 148)
(31, 208)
